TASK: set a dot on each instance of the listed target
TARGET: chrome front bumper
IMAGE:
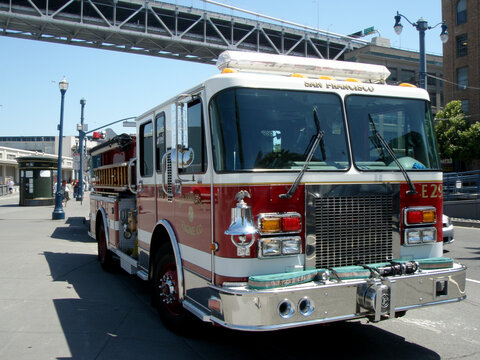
(323, 302)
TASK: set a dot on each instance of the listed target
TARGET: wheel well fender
(102, 217)
(164, 234)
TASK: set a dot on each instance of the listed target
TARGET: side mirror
(184, 157)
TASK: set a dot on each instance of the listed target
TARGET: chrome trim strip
(142, 274)
(127, 263)
(285, 326)
(448, 301)
(105, 225)
(178, 257)
(129, 173)
(202, 315)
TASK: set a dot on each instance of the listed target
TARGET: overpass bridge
(163, 29)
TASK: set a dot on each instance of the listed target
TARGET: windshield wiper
(375, 140)
(395, 158)
(313, 147)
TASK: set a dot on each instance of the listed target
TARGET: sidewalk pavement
(57, 303)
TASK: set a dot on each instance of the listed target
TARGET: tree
(457, 138)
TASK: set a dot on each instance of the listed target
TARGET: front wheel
(165, 293)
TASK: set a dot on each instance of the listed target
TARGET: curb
(466, 222)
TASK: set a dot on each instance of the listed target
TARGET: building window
(462, 78)
(431, 79)
(461, 12)
(462, 45)
(408, 76)
(433, 99)
(465, 106)
(393, 75)
(440, 81)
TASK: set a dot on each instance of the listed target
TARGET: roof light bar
(286, 65)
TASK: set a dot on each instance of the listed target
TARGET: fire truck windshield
(405, 124)
(270, 129)
(255, 129)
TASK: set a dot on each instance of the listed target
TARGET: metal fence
(461, 185)
(3, 190)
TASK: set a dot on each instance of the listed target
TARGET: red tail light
(277, 223)
(414, 217)
(420, 215)
(291, 224)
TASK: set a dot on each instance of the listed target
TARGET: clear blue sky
(118, 85)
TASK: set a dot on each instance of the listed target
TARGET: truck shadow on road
(75, 231)
(110, 317)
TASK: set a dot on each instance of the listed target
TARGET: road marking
(425, 324)
(475, 281)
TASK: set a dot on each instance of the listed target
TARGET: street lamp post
(421, 25)
(58, 213)
(81, 137)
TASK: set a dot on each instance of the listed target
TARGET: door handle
(164, 170)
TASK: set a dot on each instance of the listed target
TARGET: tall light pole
(58, 213)
(81, 137)
(421, 25)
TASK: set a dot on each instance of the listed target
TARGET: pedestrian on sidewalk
(66, 191)
(10, 185)
(75, 188)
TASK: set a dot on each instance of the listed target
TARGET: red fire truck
(279, 193)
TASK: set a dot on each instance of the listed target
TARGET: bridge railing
(461, 185)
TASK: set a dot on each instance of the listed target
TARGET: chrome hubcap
(167, 289)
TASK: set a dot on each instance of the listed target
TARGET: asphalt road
(57, 303)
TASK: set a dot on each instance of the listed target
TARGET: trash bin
(37, 175)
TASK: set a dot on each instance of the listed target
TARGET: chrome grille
(353, 230)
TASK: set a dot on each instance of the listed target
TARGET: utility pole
(58, 212)
(81, 140)
(421, 25)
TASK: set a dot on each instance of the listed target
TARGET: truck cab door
(146, 189)
(193, 190)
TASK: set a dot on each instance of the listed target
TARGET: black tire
(165, 292)
(105, 256)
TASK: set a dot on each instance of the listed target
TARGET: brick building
(403, 66)
(461, 54)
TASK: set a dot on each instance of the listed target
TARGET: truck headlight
(412, 237)
(270, 247)
(420, 236)
(429, 235)
(291, 246)
(279, 246)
